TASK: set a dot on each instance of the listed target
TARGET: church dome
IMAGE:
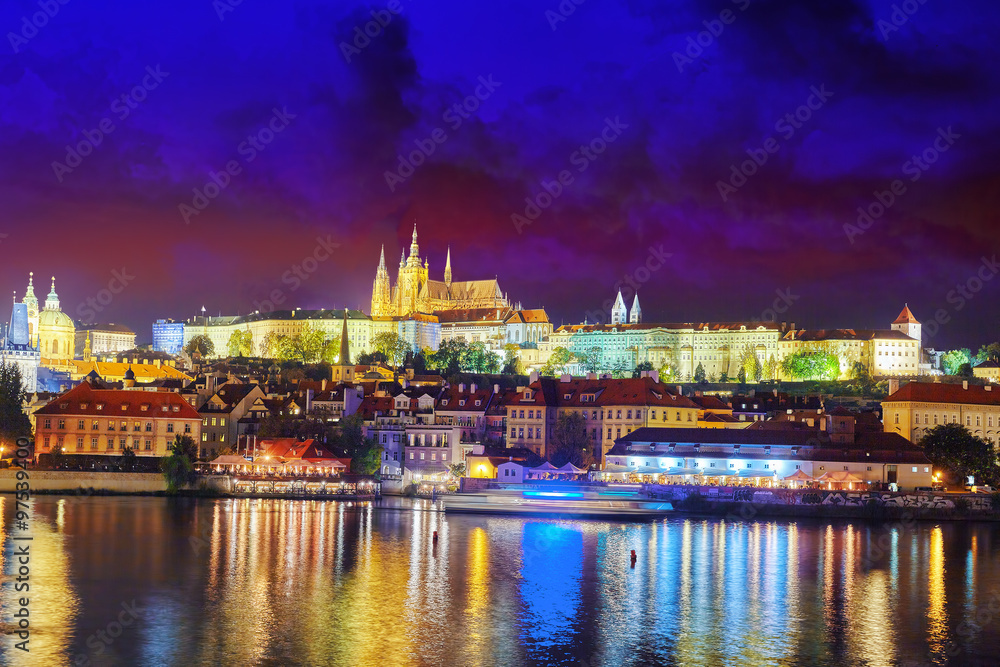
(55, 319)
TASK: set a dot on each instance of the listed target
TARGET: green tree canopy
(699, 374)
(201, 344)
(557, 361)
(240, 343)
(641, 368)
(953, 360)
(811, 365)
(511, 360)
(14, 423)
(952, 449)
(392, 346)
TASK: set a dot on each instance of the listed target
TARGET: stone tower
(343, 370)
(906, 323)
(381, 291)
(619, 314)
(635, 315)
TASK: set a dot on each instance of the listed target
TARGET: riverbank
(746, 503)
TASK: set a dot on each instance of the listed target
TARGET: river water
(157, 581)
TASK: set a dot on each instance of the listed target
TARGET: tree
(14, 423)
(365, 453)
(127, 461)
(965, 371)
(641, 368)
(275, 346)
(699, 374)
(951, 448)
(331, 351)
(770, 369)
(240, 343)
(952, 360)
(569, 438)
(557, 361)
(989, 352)
(393, 346)
(307, 344)
(178, 467)
(481, 360)
(724, 377)
(591, 360)
(620, 369)
(811, 365)
(201, 344)
(451, 358)
(512, 360)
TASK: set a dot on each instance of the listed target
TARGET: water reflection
(276, 582)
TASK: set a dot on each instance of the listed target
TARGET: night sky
(211, 75)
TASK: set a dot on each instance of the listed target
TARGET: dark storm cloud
(657, 183)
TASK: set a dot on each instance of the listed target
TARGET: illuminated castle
(416, 292)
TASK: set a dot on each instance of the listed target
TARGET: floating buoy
(633, 558)
(436, 538)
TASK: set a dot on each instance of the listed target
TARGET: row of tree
(961, 362)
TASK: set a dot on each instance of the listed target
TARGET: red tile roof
(84, 400)
(939, 392)
(906, 317)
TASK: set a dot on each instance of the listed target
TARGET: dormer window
(144, 407)
(83, 406)
(177, 408)
(63, 406)
(478, 402)
(461, 402)
(124, 407)
(567, 396)
(100, 406)
(444, 402)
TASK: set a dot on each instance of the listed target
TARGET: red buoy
(633, 558)
(436, 536)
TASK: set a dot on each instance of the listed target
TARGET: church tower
(619, 314)
(343, 370)
(381, 293)
(635, 315)
(31, 302)
(412, 276)
(447, 269)
(908, 324)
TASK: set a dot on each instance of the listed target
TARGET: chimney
(965, 385)
(680, 390)
(775, 392)
(472, 389)
(533, 377)
(322, 385)
(461, 388)
(565, 377)
(496, 389)
(893, 386)
(591, 376)
(988, 387)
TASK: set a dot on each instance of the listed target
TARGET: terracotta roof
(143, 372)
(451, 399)
(472, 315)
(105, 328)
(845, 334)
(584, 393)
(939, 392)
(84, 400)
(906, 317)
(292, 448)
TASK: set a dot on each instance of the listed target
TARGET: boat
(558, 504)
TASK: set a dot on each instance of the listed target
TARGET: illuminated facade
(56, 334)
(918, 407)
(414, 291)
(720, 347)
(16, 348)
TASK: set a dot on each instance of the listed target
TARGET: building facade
(17, 349)
(168, 336)
(918, 407)
(56, 334)
(105, 338)
(105, 422)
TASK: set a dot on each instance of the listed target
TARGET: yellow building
(56, 334)
(988, 370)
(918, 407)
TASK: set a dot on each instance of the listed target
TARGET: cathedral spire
(345, 348)
(381, 259)
(414, 258)
(447, 268)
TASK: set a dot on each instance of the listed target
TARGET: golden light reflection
(477, 597)
(871, 634)
(937, 619)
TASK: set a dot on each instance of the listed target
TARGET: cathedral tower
(635, 315)
(343, 370)
(381, 292)
(31, 302)
(619, 314)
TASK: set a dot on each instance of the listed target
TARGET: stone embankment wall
(77, 482)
